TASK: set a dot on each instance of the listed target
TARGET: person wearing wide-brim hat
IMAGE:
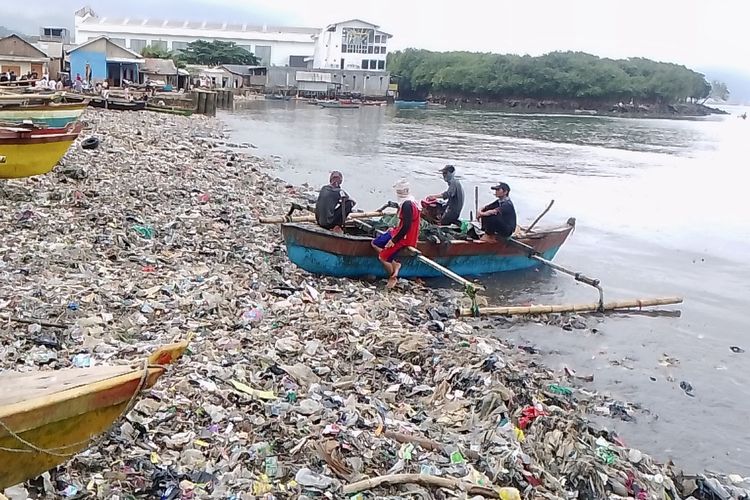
(454, 197)
(499, 217)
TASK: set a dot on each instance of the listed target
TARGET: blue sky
(699, 34)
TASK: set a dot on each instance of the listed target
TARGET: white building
(353, 44)
(273, 45)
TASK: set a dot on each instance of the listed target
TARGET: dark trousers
(340, 214)
(495, 225)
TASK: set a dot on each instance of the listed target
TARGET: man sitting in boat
(499, 217)
(333, 205)
(454, 197)
(390, 243)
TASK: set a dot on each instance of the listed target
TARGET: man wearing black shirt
(333, 205)
(499, 217)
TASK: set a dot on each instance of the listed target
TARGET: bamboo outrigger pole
(564, 308)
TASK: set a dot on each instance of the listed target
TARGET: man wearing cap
(454, 197)
(333, 205)
(499, 217)
(390, 243)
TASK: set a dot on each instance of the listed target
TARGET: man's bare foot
(337, 229)
(392, 281)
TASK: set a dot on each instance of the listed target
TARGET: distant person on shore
(499, 217)
(389, 244)
(453, 196)
(52, 84)
(333, 205)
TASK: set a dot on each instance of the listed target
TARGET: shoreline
(523, 106)
(354, 357)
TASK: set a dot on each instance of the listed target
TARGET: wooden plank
(19, 387)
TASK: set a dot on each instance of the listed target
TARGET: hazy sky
(699, 34)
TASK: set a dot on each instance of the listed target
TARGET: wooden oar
(528, 229)
(429, 262)
(564, 308)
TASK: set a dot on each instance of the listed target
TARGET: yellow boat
(47, 417)
(33, 151)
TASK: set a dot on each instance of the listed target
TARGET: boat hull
(61, 411)
(50, 116)
(322, 252)
(34, 152)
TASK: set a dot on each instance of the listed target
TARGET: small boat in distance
(410, 104)
(339, 104)
(350, 254)
(278, 97)
(25, 152)
(49, 416)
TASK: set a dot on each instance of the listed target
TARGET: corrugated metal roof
(159, 67)
(207, 25)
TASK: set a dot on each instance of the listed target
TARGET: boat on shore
(278, 97)
(49, 416)
(339, 104)
(350, 254)
(117, 104)
(172, 110)
(50, 114)
(28, 151)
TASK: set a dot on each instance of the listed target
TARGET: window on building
(263, 53)
(159, 44)
(137, 44)
(373, 64)
(370, 49)
(297, 61)
(357, 40)
(179, 46)
(381, 64)
(365, 64)
(118, 41)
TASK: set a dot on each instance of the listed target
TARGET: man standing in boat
(454, 197)
(390, 243)
(499, 217)
(333, 205)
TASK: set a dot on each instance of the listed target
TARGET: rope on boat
(55, 451)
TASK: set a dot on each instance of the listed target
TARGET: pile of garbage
(294, 386)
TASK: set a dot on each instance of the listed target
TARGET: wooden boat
(50, 114)
(25, 152)
(47, 417)
(278, 97)
(410, 104)
(117, 104)
(172, 110)
(339, 104)
(321, 251)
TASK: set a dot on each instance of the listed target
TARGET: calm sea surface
(662, 209)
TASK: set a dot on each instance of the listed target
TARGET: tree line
(561, 75)
(205, 53)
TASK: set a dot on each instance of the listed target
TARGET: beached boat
(339, 104)
(50, 114)
(33, 151)
(172, 110)
(410, 104)
(350, 255)
(278, 97)
(46, 417)
(117, 104)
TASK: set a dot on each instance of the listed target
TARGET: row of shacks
(94, 61)
(102, 59)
